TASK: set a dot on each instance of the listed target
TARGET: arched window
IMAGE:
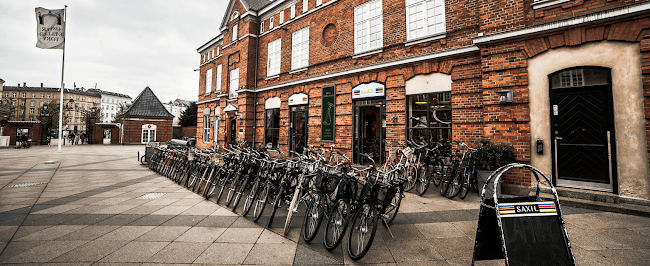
(148, 133)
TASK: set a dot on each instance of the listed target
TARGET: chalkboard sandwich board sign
(522, 230)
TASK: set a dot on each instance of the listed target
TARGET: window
(33, 95)
(305, 6)
(270, 23)
(14, 95)
(368, 26)
(203, 60)
(42, 95)
(41, 103)
(429, 117)
(22, 103)
(273, 58)
(300, 48)
(217, 50)
(571, 78)
(234, 82)
(272, 128)
(71, 96)
(24, 95)
(31, 111)
(281, 17)
(208, 81)
(262, 27)
(293, 12)
(48, 96)
(6, 95)
(234, 32)
(31, 104)
(83, 99)
(218, 85)
(319, 2)
(148, 133)
(112, 108)
(206, 125)
(77, 98)
(424, 18)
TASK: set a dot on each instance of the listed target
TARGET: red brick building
(563, 81)
(146, 120)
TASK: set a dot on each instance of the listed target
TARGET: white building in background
(111, 103)
(176, 108)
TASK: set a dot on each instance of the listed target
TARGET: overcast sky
(123, 46)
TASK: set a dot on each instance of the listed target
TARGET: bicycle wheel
(292, 206)
(143, 160)
(260, 202)
(232, 189)
(276, 204)
(239, 193)
(362, 231)
(313, 218)
(411, 176)
(446, 179)
(250, 197)
(455, 183)
(223, 184)
(467, 177)
(438, 173)
(390, 211)
(337, 223)
(422, 184)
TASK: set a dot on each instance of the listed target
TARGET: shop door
(298, 129)
(583, 134)
(369, 131)
(232, 132)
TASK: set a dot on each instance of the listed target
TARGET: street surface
(96, 205)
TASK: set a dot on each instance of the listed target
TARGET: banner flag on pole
(50, 28)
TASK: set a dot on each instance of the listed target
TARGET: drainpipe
(257, 46)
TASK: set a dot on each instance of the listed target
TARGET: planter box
(482, 176)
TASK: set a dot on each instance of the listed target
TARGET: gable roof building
(145, 120)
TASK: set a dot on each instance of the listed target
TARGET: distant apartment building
(111, 103)
(176, 108)
(25, 102)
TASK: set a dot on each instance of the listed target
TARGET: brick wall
(98, 134)
(34, 131)
(133, 130)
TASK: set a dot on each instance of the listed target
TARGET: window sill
(546, 3)
(366, 53)
(426, 39)
(272, 77)
(298, 70)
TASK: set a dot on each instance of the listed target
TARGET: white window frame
(206, 125)
(234, 82)
(271, 23)
(300, 48)
(273, 58)
(208, 81)
(218, 84)
(319, 2)
(305, 6)
(293, 12)
(281, 17)
(425, 18)
(151, 133)
(234, 32)
(368, 26)
(262, 27)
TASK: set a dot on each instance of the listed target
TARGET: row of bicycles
(352, 200)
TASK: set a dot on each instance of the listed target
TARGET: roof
(146, 104)
(254, 5)
(110, 93)
(257, 4)
(49, 89)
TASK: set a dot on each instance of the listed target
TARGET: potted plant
(489, 157)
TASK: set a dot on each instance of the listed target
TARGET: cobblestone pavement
(97, 205)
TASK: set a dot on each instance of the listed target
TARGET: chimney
(18, 84)
(41, 85)
(24, 84)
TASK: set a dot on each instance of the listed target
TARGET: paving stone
(218, 221)
(51, 233)
(454, 247)
(87, 219)
(45, 252)
(90, 232)
(163, 233)
(378, 253)
(120, 219)
(225, 253)
(7, 232)
(185, 220)
(272, 254)
(201, 234)
(180, 252)
(152, 220)
(306, 256)
(439, 230)
(240, 235)
(16, 247)
(91, 251)
(127, 233)
(144, 209)
(135, 252)
(413, 250)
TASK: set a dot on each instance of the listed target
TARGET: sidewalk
(97, 205)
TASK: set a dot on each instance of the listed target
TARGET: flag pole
(65, 19)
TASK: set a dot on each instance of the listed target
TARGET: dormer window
(234, 16)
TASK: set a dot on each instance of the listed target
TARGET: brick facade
(133, 129)
(485, 49)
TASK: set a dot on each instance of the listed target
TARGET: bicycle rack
(523, 230)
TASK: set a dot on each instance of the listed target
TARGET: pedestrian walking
(83, 138)
(71, 136)
(76, 139)
(23, 141)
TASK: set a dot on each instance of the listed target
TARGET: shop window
(368, 32)
(429, 117)
(272, 128)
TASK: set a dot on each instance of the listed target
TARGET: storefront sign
(328, 113)
(299, 98)
(368, 90)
